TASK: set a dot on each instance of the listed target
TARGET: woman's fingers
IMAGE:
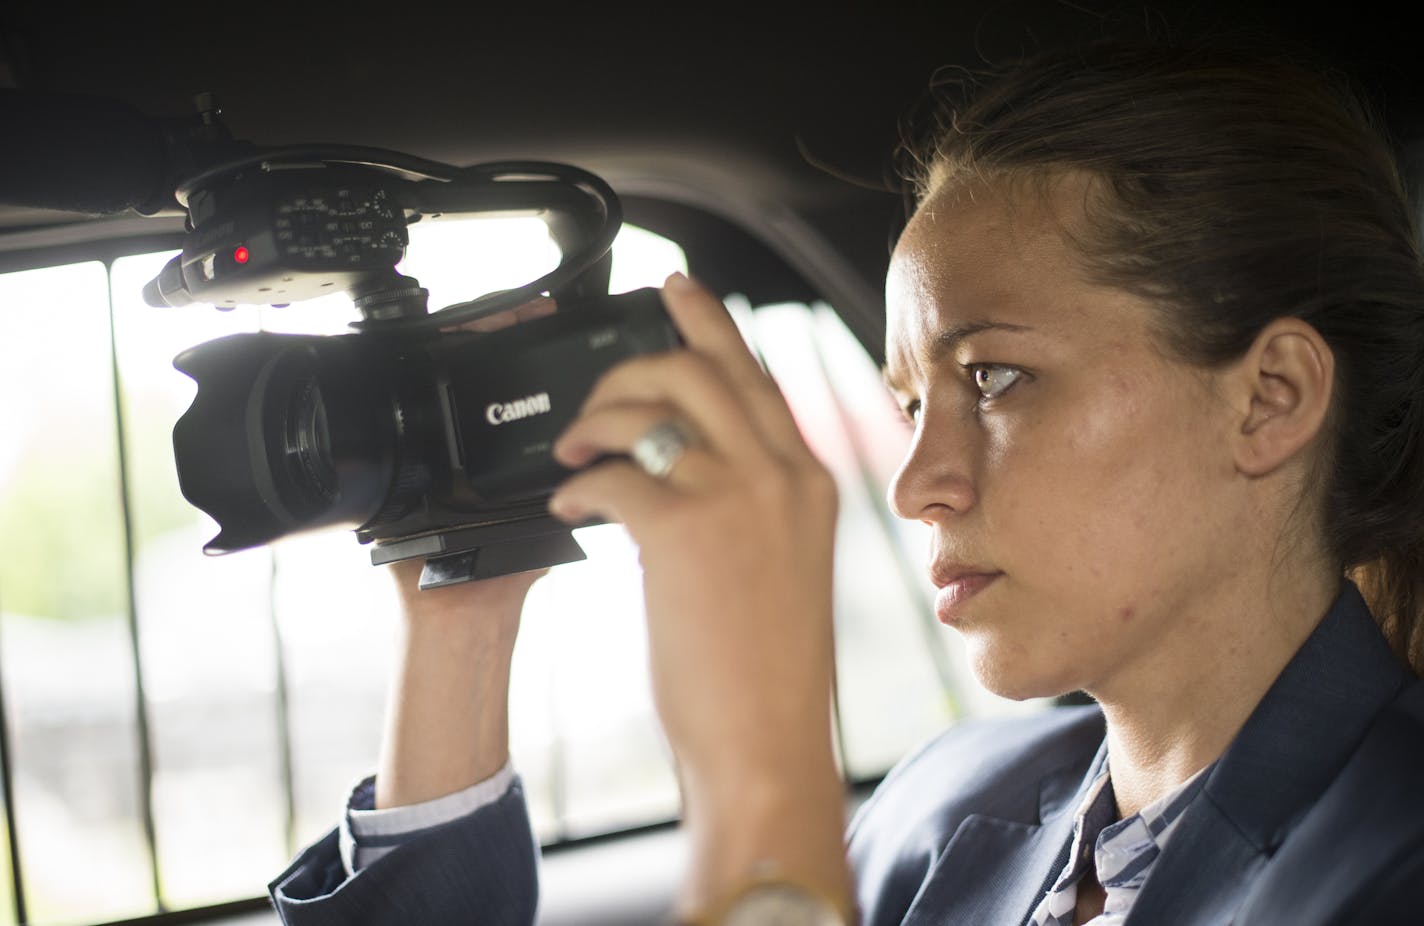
(741, 429)
(611, 428)
(707, 327)
(709, 330)
(678, 384)
(615, 490)
(715, 385)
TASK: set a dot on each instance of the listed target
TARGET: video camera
(425, 438)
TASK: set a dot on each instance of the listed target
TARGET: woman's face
(1084, 508)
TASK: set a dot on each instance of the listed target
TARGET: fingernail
(678, 280)
(564, 452)
(560, 507)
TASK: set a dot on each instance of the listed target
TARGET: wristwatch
(778, 903)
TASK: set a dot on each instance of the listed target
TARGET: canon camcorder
(426, 438)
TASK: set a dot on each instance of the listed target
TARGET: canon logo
(503, 412)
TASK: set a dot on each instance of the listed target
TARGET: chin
(1021, 676)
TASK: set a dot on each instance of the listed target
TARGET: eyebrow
(947, 340)
(950, 338)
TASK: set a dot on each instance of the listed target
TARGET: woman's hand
(736, 544)
(447, 719)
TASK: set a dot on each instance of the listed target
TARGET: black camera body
(425, 437)
(427, 444)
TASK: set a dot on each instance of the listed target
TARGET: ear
(1285, 383)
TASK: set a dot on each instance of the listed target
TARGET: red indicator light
(242, 255)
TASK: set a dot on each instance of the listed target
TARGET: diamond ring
(658, 451)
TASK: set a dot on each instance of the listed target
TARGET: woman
(1158, 323)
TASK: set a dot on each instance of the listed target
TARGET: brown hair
(1235, 189)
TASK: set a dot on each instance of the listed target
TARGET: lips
(958, 584)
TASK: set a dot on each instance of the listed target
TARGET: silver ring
(658, 451)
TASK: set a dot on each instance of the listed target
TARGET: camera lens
(288, 433)
(308, 447)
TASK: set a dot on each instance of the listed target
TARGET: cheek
(1100, 488)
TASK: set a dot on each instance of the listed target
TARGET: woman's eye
(994, 381)
(910, 410)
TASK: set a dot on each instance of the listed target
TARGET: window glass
(205, 631)
(65, 659)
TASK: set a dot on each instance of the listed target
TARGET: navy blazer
(479, 870)
(1313, 816)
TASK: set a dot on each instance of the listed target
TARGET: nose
(934, 480)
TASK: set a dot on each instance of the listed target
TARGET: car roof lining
(746, 123)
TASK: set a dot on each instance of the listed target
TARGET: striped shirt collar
(1121, 851)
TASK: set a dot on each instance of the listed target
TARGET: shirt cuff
(366, 834)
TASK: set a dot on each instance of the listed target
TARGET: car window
(177, 725)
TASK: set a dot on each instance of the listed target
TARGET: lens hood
(287, 433)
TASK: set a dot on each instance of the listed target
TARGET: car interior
(174, 726)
